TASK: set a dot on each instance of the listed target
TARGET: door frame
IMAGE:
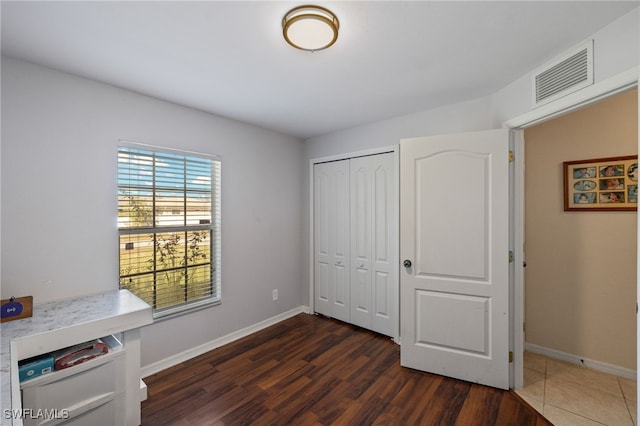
(395, 149)
(617, 84)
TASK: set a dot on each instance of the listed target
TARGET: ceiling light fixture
(310, 27)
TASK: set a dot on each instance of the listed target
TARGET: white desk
(65, 323)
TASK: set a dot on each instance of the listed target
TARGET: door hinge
(510, 156)
(523, 327)
(510, 356)
(510, 256)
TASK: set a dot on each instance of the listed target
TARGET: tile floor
(573, 395)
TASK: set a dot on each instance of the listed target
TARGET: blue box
(35, 367)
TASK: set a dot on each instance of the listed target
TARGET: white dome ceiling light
(310, 27)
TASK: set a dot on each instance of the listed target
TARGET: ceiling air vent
(566, 74)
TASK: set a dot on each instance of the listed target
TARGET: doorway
(580, 280)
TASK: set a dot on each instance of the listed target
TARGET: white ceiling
(229, 58)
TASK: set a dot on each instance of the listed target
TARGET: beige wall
(580, 280)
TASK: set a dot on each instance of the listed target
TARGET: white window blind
(169, 227)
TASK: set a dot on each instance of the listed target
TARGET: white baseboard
(575, 359)
(143, 390)
(163, 364)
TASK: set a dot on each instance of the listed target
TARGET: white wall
(59, 236)
(475, 116)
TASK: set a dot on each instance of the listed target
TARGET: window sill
(169, 313)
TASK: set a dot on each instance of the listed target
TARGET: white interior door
(331, 239)
(454, 229)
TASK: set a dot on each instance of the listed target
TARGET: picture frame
(601, 184)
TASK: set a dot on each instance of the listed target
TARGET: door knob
(406, 263)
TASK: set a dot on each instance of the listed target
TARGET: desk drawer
(78, 391)
(108, 414)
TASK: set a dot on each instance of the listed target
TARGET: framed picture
(601, 184)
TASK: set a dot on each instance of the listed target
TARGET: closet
(355, 215)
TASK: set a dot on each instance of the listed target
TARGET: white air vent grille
(565, 75)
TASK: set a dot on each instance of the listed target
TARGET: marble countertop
(60, 324)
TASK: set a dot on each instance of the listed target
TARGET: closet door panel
(382, 290)
(321, 219)
(339, 288)
(384, 233)
(360, 300)
(361, 208)
(381, 201)
(322, 288)
(361, 225)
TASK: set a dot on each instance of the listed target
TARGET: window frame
(214, 227)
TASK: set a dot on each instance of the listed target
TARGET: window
(169, 227)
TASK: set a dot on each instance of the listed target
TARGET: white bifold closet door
(331, 223)
(356, 242)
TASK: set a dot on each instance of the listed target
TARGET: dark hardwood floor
(311, 370)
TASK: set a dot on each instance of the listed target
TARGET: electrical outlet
(275, 294)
